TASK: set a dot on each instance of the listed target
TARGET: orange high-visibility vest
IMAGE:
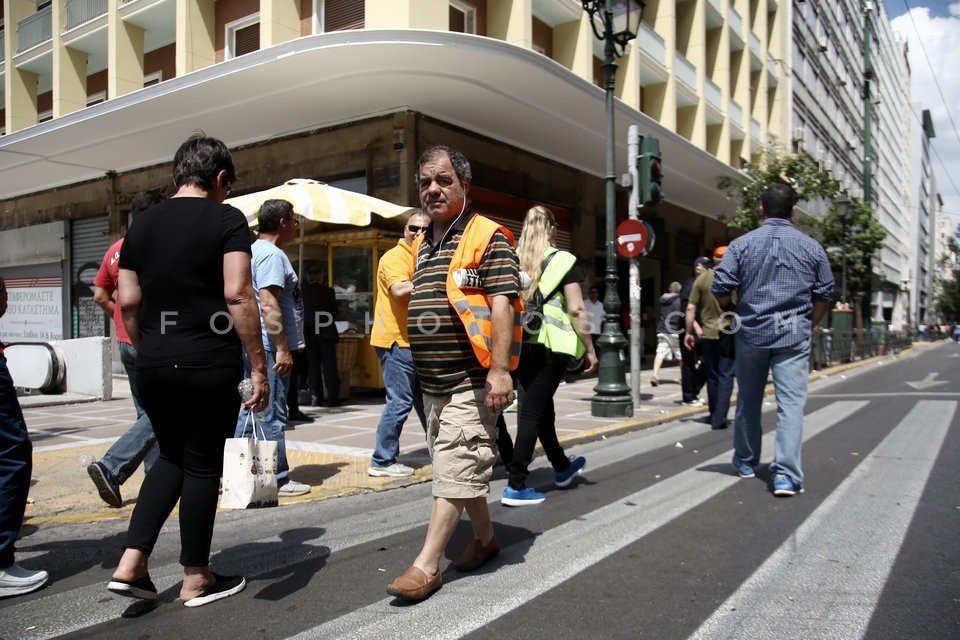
(473, 305)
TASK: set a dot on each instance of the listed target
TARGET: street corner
(61, 491)
(333, 475)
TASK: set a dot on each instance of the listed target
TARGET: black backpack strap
(543, 268)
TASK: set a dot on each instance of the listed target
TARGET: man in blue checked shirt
(785, 286)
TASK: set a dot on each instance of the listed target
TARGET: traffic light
(648, 168)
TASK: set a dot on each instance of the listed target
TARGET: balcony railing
(34, 29)
(736, 22)
(755, 132)
(652, 44)
(686, 72)
(713, 94)
(80, 11)
(755, 45)
(736, 114)
(772, 66)
(3, 38)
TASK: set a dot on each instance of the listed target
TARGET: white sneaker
(292, 489)
(16, 581)
(395, 470)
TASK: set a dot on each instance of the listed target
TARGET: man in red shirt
(138, 444)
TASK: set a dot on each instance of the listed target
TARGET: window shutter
(340, 15)
(246, 39)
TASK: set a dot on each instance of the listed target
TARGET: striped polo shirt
(442, 352)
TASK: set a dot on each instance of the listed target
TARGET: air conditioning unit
(851, 144)
(798, 134)
(822, 43)
(841, 78)
(821, 154)
(828, 165)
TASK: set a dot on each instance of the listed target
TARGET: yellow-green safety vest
(557, 332)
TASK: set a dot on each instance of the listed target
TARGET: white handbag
(249, 471)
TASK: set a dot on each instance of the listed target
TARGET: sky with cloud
(931, 29)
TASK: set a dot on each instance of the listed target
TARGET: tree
(860, 236)
(948, 296)
(775, 165)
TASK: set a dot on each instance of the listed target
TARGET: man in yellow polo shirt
(389, 338)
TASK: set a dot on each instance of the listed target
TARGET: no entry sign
(631, 238)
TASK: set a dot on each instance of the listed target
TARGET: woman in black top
(187, 300)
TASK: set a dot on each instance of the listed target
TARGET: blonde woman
(561, 332)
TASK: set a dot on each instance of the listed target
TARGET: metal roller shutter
(89, 240)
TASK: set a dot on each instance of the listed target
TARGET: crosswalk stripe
(59, 609)
(801, 593)
(556, 555)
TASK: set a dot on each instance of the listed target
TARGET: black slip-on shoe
(224, 587)
(142, 588)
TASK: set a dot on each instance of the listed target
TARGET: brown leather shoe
(414, 585)
(476, 554)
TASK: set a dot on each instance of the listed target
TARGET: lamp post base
(612, 399)
(611, 407)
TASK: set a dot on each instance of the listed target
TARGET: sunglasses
(415, 229)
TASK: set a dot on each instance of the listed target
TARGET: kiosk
(350, 259)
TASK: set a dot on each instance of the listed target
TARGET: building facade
(851, 103)
(97, 94)
(924, 206)
(944, 260)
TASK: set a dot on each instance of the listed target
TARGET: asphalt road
(658, 539)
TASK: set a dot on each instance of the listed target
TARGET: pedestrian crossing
(859, 525)
(838, 560)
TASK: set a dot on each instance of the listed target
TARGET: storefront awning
(487, 86)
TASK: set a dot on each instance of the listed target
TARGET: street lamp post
(842, 203)
(619, 22)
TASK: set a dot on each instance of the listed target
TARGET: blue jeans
(138, 444)
(274, 416)
(790, 367)
(16, 465)
(403, 393)
(719, 373)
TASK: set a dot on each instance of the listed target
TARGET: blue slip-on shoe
(521, 498)
(744, 470)
(564, 478)
(785, 486)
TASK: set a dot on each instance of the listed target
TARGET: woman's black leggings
(193, 411)
(539, 374)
